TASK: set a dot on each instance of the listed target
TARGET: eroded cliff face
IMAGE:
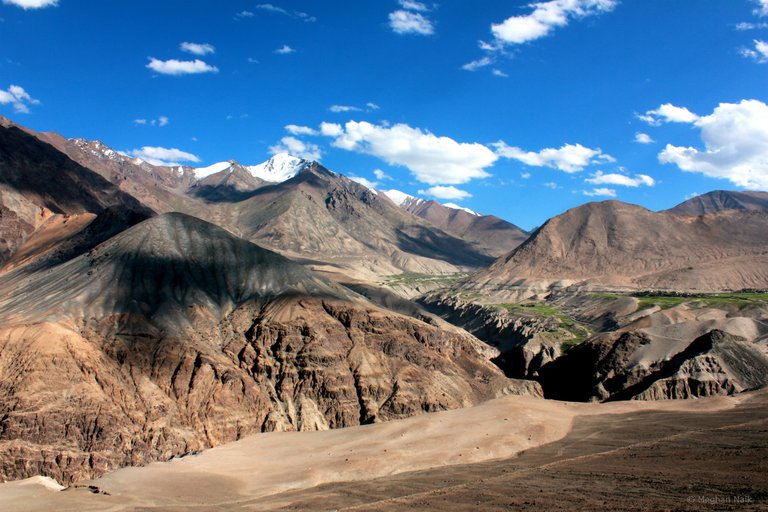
(77, 403)
(618, 366)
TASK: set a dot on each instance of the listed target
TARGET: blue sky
(513, 108)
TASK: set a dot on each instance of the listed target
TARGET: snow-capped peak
(398, 197)
(454, 206)
(279, 168)
(204, 172)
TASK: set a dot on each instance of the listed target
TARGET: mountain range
(151, 311)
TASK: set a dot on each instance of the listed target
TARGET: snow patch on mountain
(398, 197)
(279, 168)
(455, 206)
(204, 172)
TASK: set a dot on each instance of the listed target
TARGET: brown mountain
(175, 336)
(318, 217)
(719, 200)
(488, 233)
(45, 196)
(338, 225)
(617, 244)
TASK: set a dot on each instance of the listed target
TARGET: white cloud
(197, 48)
(762, 9)
(600, 192)
(525, 175)
(285, 12)
(751, 26)
(411, 5)
(365, 182)
(180, 67)
(19, 98)
(300, 130)
(331, 129)
(735, 140)
(477, 64)
(600, 178)
(160, 121)
(432, 159)
(643, 138)
(443, 192)
(244, 14)
(407, 22)
(545, 17)
(296, 147)
(498, 72)
(372, 106)
(760, 52)
(552, 185)
(381, 175)
(569, 158)
(163, 156)
(343, 108)
(285, 50)
(32, 4)
(668, 113)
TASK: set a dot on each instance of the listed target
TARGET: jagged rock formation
(526, 342)
(614, 244)
(616, 366)
(174, 336)
(719, 200)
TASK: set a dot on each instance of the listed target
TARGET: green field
(573, 332)
(670, 300)
(413, 278)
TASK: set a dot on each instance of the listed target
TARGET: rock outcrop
(175, 336)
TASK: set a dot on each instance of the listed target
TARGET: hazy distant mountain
(613, 243)
(489, 234)
(175, 336)
(719, 200)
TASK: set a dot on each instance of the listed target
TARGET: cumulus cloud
(498, 72)
(600, 192)
(446, 192)
(413, 6)
(668, 113)
(432, 159)
(601, 178)
(197, 48)
(643, 138)
(331, 129)
(735, 138)
(477, 64)
(569, 158)
(163, 156)
(762, 9)
(409, 22)
(759, 53)
(285, 50)
(180, 67)
(19, 98)
(381, 175)
(545, 17)
(300, 130)
(296, 147)
(32, 4)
